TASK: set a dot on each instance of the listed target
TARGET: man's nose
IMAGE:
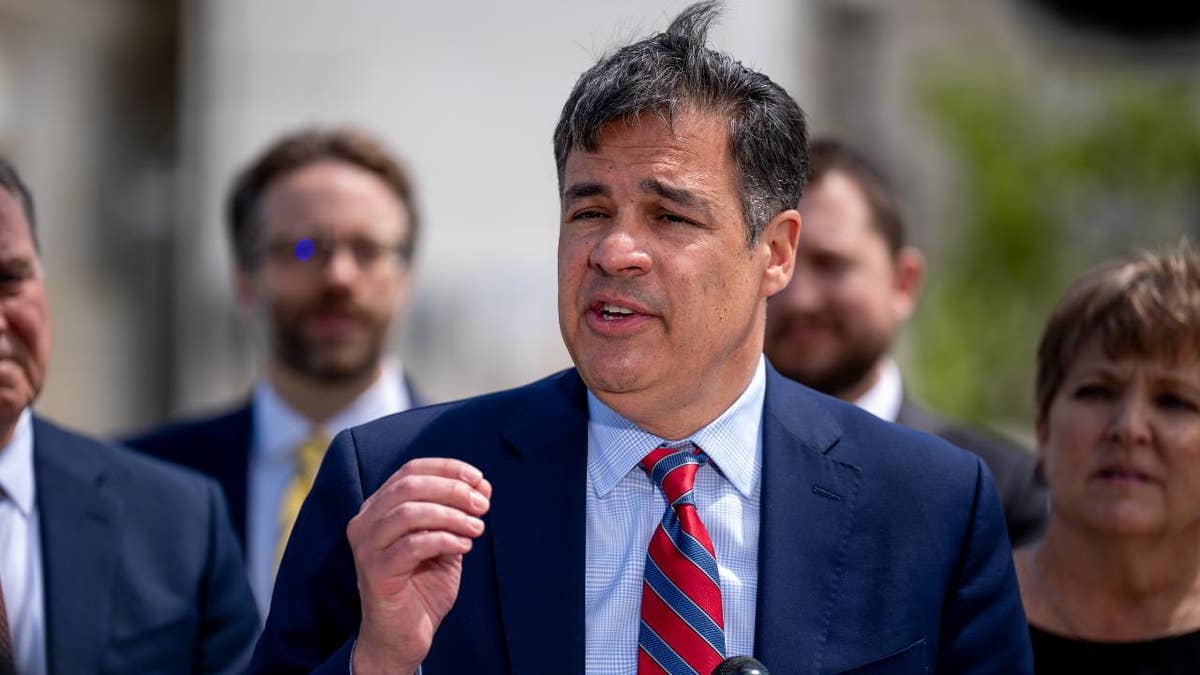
(621, 249)
(341, 267)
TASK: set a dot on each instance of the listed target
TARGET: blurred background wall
(1028, 139)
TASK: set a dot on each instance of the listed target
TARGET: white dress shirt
(884, 398)
(278, 430)
(21, 550)
(624, 507)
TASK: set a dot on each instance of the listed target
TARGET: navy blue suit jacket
(218, 446)
(140, 567)
(1021, 487)
(881, 549)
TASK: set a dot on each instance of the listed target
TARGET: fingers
(484, 488)
(413, 487)
(439, 496)
(421, 471)
(439, 466)
(416, 517)
(408, 540)
(407, 553)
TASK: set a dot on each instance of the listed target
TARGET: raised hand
(408, 540)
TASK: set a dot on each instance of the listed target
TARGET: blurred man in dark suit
(109, 561)
(856, 283)
(323, 226)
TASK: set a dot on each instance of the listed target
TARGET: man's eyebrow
(678, 195)
(584, 190)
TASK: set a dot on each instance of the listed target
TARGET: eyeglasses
(314, 253)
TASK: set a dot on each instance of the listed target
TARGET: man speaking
(671, 500)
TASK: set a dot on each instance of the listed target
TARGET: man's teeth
(613, 311)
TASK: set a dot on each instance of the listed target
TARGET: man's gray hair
(674, 71)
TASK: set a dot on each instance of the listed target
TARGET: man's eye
(672, 218)
(366, 251)
(588, 214)
(832, 265)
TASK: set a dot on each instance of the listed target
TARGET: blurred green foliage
(1043, 194)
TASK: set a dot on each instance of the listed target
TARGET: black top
(1163, 656)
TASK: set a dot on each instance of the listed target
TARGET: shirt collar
(732, 441)
(884, 398)
(16, 465)
(385, 397)
(279, 428)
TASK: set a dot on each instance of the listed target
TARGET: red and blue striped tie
(682, 627)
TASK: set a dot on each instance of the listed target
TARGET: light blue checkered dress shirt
(624, 507)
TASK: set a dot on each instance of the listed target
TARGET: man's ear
(908, 281)
(404, 290)
(780, 238)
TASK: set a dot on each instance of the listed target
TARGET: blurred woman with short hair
(1114, 586)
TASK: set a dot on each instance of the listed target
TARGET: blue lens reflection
(305, 248)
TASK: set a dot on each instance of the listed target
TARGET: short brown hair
(828, 155)
(299, 149)
(1146, 305)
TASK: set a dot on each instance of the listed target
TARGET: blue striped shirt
(624, 507)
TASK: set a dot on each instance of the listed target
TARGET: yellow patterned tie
(306, 460)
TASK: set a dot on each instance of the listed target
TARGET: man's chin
(340, 374)
(808, 370)
(846, 375)
(12, 401)
(824, 380)
(614, 371)
(335, 368)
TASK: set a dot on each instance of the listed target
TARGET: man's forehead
(837, 207)
(335, 191)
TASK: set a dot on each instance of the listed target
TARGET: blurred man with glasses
(322, 227)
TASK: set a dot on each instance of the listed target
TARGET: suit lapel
(538, 520)
(808, 501)
(78, 551)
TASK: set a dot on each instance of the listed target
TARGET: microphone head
(740, 665)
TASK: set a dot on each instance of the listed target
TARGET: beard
(852, 367)
(848, 361)
(329, 360)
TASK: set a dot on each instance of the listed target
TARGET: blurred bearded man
(323, 227)
(857, 281)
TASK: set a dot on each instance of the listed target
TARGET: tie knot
(673, 470)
